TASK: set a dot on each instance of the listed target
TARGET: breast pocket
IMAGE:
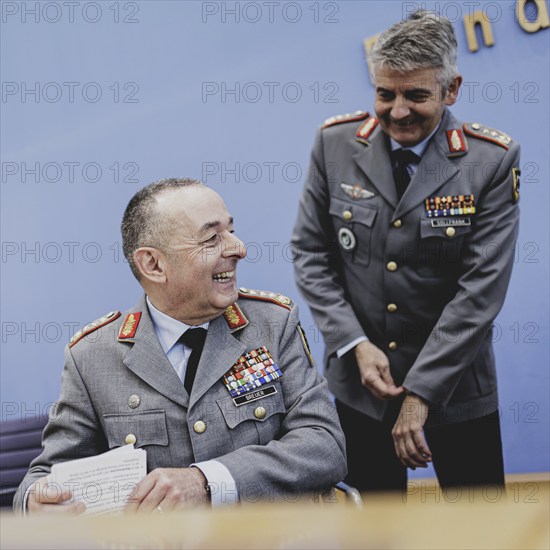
(143, 429)
(353, 227)
(256, 422)
(441, 250)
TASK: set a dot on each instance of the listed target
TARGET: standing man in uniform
(216, 384)
(404, 241)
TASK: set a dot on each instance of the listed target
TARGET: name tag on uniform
(254, 396)
(450, 222)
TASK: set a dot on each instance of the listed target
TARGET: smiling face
(410, 105)
(196, 270)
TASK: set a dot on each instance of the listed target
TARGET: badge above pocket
(450, 205)
(250, 372)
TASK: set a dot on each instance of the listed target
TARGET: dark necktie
(401, 158)
(193, 338)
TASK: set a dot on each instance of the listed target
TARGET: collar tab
(456, 140)
(235, 317)
(129, 327)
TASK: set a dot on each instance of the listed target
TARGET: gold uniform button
(397, 223)
(391, 266)
(130, 439)
(392, 308)
(199, 426)
(450, 231)
(347, 215)
(392, 346)
(260, 413)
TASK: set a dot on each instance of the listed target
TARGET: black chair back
(20, 443)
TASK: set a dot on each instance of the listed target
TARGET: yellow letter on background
(541, 22)
(470, 22)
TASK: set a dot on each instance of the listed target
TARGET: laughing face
(200, 257)
(410, 105)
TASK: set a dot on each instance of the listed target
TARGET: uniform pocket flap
(352, 213)
(258, 410)
(147, 427)
(444, 228)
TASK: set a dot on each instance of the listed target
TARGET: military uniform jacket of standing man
(421, 276)
(257, 422)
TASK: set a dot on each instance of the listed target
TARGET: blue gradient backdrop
(165, 72)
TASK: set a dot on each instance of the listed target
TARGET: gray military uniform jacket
(295, 447)
(424, 289)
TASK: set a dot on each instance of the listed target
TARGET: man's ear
(150, 262)
(452, 91)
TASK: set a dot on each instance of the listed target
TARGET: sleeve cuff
(342, 351)
(223, 489)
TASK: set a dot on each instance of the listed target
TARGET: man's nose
(400, 109)
(234, 247)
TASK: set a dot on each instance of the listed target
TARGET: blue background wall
(165, 71)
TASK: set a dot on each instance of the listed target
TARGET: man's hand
(167, 489)
(408, 437)
(45, 497)
(374, 369)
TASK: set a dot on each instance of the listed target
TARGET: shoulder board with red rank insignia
(235, 317)
(366, 129)
(94, 325)
(348, 117)
(130, 325)
(457, 143)
(273, 297)
(488, 134)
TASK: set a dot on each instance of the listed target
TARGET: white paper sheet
(105, 483)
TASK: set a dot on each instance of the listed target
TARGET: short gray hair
(142, 224)
(426, 40)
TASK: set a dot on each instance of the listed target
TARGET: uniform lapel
(147, 360)
(374, 161)
(435, 169)
(221, 350)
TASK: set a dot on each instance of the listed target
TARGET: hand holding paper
(93, 485)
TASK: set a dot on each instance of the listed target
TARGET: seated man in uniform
(216, 384)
